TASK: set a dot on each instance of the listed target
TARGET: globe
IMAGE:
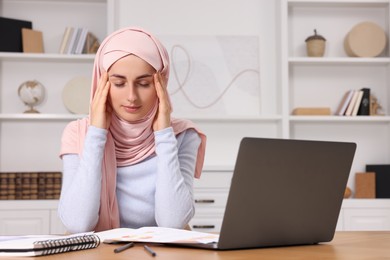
(32, 93)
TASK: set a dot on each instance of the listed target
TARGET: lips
(131, 109)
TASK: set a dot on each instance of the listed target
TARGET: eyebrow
(139, 77)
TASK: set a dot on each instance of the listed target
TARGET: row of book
(354, 103)
(30, 185)
(77, 41)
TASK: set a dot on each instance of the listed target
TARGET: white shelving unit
(35, 139)
(322, 81)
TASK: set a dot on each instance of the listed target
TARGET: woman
(129, 164)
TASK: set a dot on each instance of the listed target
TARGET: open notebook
(283, 192)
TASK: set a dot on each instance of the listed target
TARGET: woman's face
(132, 91)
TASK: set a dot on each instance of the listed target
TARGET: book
(364, 109)
(81, 41)
(382, 179)
(357, 103)
(32, 41)
(351, 104)
(71, 41)
(365, 185)
(312, 111)
(156, 235)
(344, 103)
(11, 34)
(46, 245)
(65, 40)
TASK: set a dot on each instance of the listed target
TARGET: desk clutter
(30, 185)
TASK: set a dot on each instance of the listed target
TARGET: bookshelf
(22, 135)
(322, 81)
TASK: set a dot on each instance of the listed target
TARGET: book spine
(11, 185)
(34, 186)
(74, 44)
(351, 104)
(72, 39)
(18, 186)
(26, 188)
(344, 103)
(3, 186)
(81, 42)
(357, 103)
(49, 185)
(364, 109)
(65, 39)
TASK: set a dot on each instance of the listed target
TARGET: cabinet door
(22, 222)
(56, 226)
(206, 223)
(366, 219)
(340, 221)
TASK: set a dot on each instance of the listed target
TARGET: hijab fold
(127, 143)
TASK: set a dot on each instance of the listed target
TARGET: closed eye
(118, 84)
(143, 84)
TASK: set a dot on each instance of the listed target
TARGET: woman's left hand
(163, 116)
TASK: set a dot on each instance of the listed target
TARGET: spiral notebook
(46, 245)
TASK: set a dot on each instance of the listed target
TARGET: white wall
(216, 17)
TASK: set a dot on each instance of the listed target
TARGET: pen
(122, 248)
(149, 250)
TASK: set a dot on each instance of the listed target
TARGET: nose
(132, 94)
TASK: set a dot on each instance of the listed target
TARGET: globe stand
(31, 110)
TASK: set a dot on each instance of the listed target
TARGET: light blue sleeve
(176, 160)
(81, 184)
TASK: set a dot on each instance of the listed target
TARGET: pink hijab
(127, 143)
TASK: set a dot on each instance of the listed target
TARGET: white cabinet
(36, 217)
(211, 192)
(321, 82)
(365, 214)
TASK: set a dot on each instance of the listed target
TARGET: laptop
(284, 192)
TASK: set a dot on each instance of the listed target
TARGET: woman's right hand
(100, 107)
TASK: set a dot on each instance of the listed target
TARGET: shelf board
(339, 3)
(39, 117)
(55, 57)
(224, 119)
(65, 1)
(338, 60)
(343, 119)
(19, 117)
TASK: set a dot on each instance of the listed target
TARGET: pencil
(122, 248)
(149, 250)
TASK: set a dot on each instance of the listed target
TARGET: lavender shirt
(155, 192)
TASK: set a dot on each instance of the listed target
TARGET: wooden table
(345, 245)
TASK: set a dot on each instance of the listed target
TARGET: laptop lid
(285, 192)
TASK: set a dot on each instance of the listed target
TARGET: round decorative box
(365, 39)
